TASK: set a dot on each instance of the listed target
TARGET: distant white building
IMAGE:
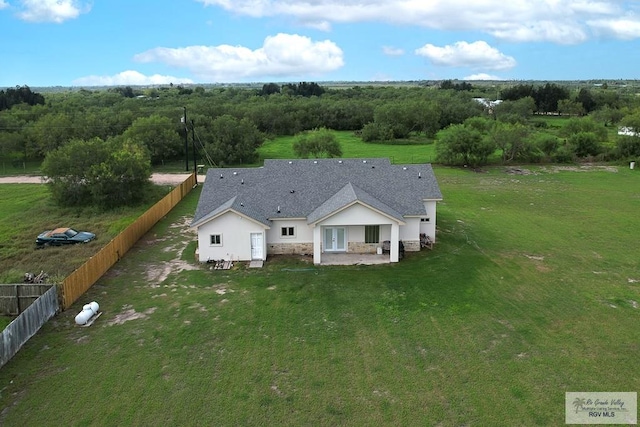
(488, 104)
(628, 131)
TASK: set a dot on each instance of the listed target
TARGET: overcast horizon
(76, 43)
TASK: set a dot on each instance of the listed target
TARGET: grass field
(26, 210)
(532, 290)
(7, 167)
(353, 147)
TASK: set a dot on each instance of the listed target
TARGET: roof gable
(348, 195)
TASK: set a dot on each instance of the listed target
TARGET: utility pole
(186, 140)
(193, 142)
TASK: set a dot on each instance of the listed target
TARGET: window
(216, 240)
(372, 234)
(288, 231)
(424, 219)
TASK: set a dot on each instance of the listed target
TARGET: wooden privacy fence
(14, 299)
(28, 322)
(78, 282)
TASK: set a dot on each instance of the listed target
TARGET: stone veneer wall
(289, 248)
(411, 245)
(363, 248)
(354, 247)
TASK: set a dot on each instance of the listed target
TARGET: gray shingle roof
(313, 189)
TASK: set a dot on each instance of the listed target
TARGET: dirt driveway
(157, 178)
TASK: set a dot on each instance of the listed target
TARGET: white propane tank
(88, 311)
(94, 306)
(83, 317)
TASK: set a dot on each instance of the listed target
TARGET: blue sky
(141, 42)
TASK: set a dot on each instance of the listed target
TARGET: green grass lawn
(8, 167)
(353, 147)
(532, 290)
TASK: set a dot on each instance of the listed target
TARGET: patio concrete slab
(353, 259)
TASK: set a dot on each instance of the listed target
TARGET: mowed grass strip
(353, 147)
(532, 290)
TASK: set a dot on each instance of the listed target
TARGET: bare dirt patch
(158, 273)
(130, 314)
(156, 178)
(581, 168)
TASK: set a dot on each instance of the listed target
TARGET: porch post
(317, 238)
(395, 239)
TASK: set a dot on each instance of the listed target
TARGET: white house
(315, 207)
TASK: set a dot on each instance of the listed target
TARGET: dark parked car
(64, 236)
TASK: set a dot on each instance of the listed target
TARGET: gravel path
(157, 178)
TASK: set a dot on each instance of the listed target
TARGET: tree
(121, 179)
(584, 124)
(50, 132)
(546, 143)
(317, 143)
(372, 132)
(461, 145)
(304, 89)
(517, 92)
(234, 141)
(159, 135)
(456, 107)
(401, 118)
(570, 107)
(269, 89)
(607, 115)
(448, 84)
(517, 111)
(95, 172)
(586, 99)
(628, 147)
(547, 97)
(512, 139)
(585, 144)
(19, 95)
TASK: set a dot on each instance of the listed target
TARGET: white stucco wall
(356, 214)
(236, 238)
(429, 228)
(410, 231)
(303, 232)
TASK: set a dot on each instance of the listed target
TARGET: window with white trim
(287, 232)
(215, 239)
(372, 234)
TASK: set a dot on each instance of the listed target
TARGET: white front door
(335, 239)
(257, 250)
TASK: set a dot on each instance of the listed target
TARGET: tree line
(467, 123)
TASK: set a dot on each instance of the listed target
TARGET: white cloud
(558, 21)
(476, 55)
(56, 11)
(392, 51)
(282, 55)
(626, 29)
(482, 76)
(129, 77)
(3, 4)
